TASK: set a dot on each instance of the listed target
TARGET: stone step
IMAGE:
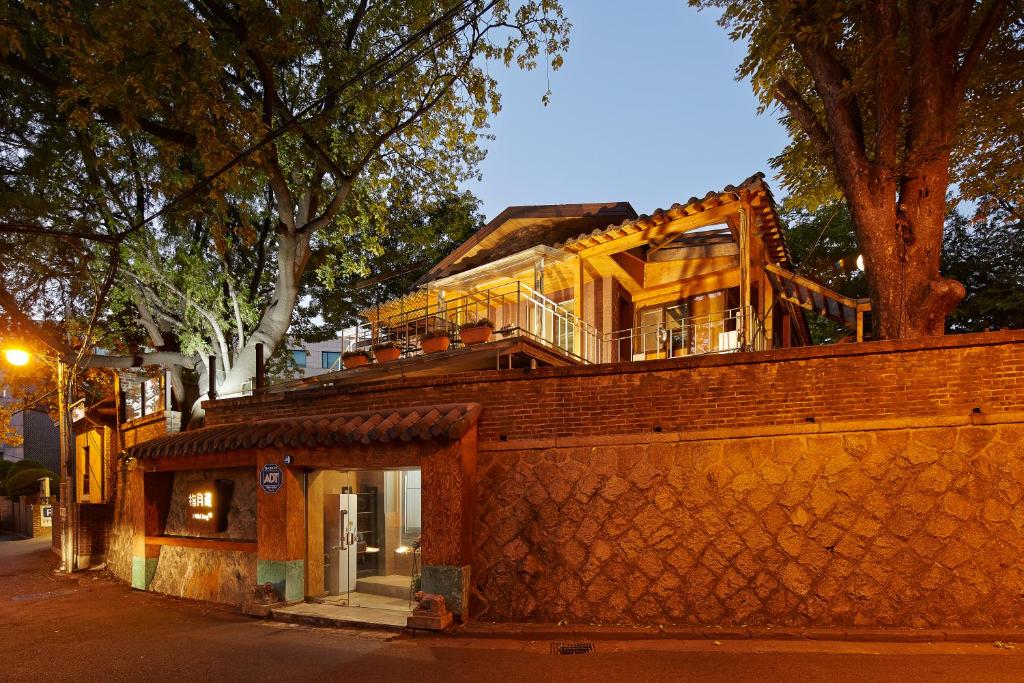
(394, 586)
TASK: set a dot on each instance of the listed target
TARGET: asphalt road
(90, 628)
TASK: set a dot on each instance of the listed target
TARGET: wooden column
(745, 303)
(314, 533)
(281, 529)
(577, 308)
(767, 313)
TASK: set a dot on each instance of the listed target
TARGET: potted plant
(355, 359)
(476, 332)
(435, 341)
(387, 351)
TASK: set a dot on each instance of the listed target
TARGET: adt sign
(271, 478)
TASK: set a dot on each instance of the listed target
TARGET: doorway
(363, 537)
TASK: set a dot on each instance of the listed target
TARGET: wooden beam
(658, 232)
(204, 543)
(607, 265)
(711, 282)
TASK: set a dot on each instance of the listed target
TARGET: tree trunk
(901, 238)
(293, 254)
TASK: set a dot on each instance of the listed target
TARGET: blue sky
(645, 110)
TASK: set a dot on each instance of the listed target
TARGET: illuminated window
(85, 471)
(411, 502)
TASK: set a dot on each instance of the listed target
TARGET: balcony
(519, 311)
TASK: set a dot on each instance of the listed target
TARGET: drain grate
(572, 648)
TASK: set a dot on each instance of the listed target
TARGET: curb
(853, 635)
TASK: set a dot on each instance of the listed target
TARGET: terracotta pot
(435, 344)
(387, 355)
(476, 335)
(355, 361)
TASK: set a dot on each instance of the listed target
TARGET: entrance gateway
(399, 475)
(363, 549)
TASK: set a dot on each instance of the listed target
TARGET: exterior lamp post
(20, 358)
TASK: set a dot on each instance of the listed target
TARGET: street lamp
(19, 358)
(16, 357)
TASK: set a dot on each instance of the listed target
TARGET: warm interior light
(860, 262)
(17, 357)
(402, 549)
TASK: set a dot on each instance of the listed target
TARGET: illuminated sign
(206, 506)
(47, 518)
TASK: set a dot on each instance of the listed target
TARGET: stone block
(451, 582)
(286, 576)
(143, 570)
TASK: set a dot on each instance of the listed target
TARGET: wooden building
(596, 283)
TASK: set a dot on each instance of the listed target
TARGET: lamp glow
(402, 549)
(860, 262)
(16, 357)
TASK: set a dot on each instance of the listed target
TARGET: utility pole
(68, 478)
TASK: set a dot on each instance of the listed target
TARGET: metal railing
(514, 309)
(517, 310)
(719, 332)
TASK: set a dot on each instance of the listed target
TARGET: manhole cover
(572, 648)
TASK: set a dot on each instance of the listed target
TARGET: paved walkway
(87, 627)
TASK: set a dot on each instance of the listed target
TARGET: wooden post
(280, 528)
(860, 325)
(168, 393)
(260, 369)
(577, 310)
(213, 377)
(744, 245)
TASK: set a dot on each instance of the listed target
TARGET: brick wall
(934, 376)
(879, 484)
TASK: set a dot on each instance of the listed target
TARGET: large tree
(883, 98)
(263, 131)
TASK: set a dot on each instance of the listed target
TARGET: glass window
(300, 356)
(411, 503)
(329, 358)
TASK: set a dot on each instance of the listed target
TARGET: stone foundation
(890, 527)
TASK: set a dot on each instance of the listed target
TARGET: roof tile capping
(442, 422)
(754, 189)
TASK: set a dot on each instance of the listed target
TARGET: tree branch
(805, 116)
(989, 24)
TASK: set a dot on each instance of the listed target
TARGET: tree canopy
(887, 103)
(187, 167)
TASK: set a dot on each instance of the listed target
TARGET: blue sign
(271, 478)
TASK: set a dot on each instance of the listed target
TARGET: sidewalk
(626, 633)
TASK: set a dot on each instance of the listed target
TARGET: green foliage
(986, 253)
(25, 482)
(112, 109)
(824, 247)
(382, 262)
(988, 158)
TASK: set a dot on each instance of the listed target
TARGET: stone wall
(119, 545)
(206, 574)
(891, 527)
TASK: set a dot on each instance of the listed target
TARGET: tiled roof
(449, 421)
(526, 226)
(753, 188)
